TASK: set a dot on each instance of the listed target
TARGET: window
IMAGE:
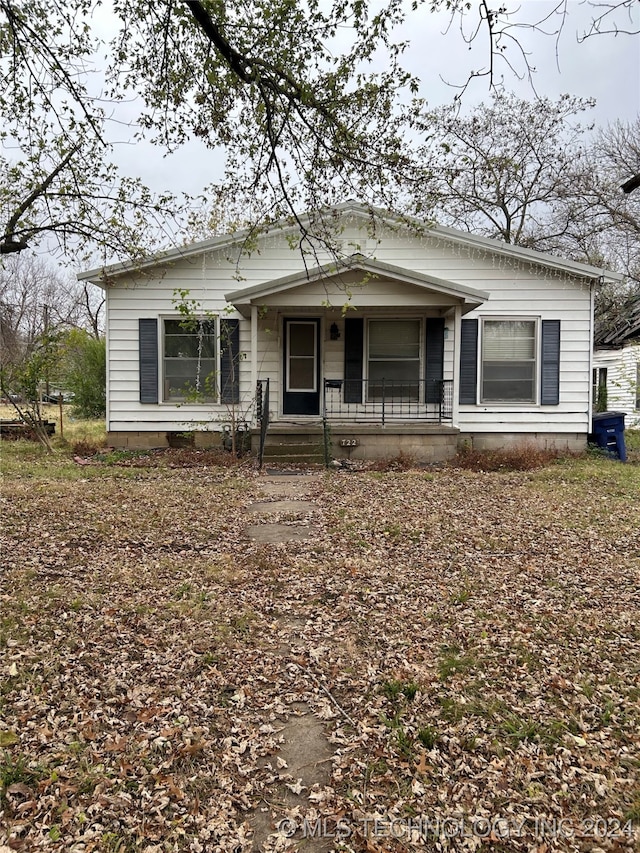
(638, 385)
(599, 389)
(189, 360)
(393, 359)
(509, 361)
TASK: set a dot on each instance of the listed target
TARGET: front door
(301, 394)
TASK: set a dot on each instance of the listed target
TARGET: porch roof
(452, 292)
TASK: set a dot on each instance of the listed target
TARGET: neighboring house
(421, 338)
(616, 367)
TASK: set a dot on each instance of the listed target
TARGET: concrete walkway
(304, 757)
(292, 489)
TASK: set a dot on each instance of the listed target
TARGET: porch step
(290, 450)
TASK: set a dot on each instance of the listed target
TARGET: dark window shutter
(550, 369)
(229, 361)
(353, 349)
(148, 352)
(468, 361)
(434, 370)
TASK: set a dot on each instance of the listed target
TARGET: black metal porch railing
(381, 401)
(262, 415)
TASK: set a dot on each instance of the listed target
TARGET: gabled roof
(625, 328)
(468, 296)
(101, 275)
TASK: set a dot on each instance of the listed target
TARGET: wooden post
(60, 405)
(45, 309)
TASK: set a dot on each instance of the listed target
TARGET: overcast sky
(605, 67)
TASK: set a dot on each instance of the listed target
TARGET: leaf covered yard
(469, 642)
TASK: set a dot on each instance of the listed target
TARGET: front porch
(366, 402)
(365, 421)
(388, 356)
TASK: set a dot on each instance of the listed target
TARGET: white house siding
(622, 376)
(516, 289)
(522, 290)
(151, 296)
(207, 278)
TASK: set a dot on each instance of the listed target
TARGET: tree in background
(600, 224)
(286, 91)
(604, 222)
(57, 184)
(21, 383)
(36, 298)
(532, 174)
(67, 193)
(82, 371)
(505, 169)
(73, 360)
(49, 336)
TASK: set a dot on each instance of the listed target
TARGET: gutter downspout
(592, 295)
(107, 347)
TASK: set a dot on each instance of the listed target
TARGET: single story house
(616, 367)
(404, 338)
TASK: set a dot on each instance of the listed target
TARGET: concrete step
(294, 448)
(294, 458)
(293, 455)
(294, 438)
(283, 448)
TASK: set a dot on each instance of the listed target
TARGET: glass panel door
(302, 355)
(301, 391)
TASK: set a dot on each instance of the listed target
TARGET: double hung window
(189, 360)
(393, 359)
(509, 361)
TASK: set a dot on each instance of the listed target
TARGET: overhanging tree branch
(285, 89)
(631, 185)
(8, 240)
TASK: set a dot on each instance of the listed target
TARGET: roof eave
(101, 275)
(252, 295)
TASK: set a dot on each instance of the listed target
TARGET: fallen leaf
(8, 738)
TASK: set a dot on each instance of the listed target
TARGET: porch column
(457, 332)
(254, 348)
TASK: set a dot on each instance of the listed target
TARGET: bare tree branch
(37, 193)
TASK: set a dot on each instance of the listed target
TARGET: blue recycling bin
(608, 433)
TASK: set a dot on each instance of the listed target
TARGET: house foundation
(421, 442)
(573, 442)
(305, 443)
(158, 440)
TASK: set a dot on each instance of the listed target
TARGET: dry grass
(520, 457)
(73, 431)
